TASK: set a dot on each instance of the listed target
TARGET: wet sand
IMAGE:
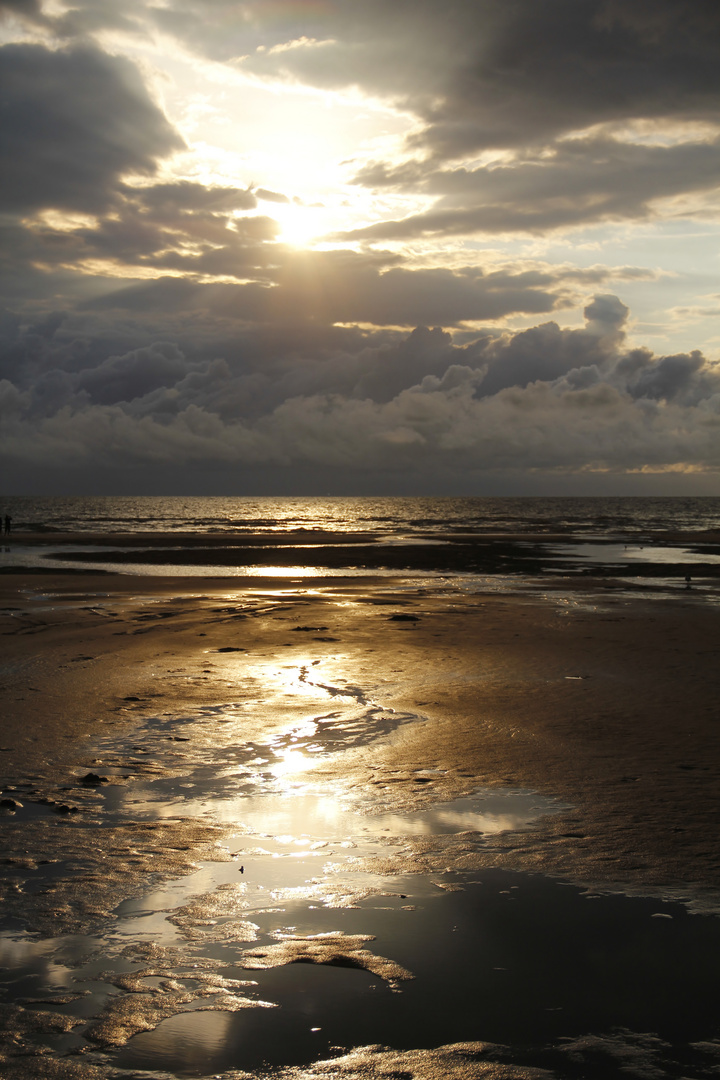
(600, 700)
(614, 711)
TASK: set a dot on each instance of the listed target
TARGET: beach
(156, 724)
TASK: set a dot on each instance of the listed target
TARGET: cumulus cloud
(125, 378)
(544, 398)
(683, 377)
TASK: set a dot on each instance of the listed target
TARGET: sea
(387, 515)
(492, 544)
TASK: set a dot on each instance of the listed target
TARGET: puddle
(514, 959)
(613, 554)
(216, 905)
(293, 874)
(517, 960)
(47, 558)
(134, 951)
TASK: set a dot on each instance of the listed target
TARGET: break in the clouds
(436, 243)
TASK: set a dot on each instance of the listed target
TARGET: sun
(300, 225)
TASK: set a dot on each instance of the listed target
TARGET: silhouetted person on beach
(8, 523)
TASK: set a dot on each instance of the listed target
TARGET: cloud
(544, 398)
(579, 182)
(200, 232)
(271, 196)
(179, 226)
(134, 375)
(174, 226)
(564, 66)
(155, 318)
(25, 10)
(74, 122)
(84, 18)
(350, 287)
(683, 377)
(478, 75)
(185, 196)
(492, 74)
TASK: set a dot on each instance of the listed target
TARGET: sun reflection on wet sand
(291, 764)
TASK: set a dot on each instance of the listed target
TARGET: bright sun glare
(290, 763)
(299, 225)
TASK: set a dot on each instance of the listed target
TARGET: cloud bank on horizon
(314, 246)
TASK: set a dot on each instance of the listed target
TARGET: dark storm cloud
(546, 353)
(125, 378)
(491, 74)
(683, 377)
(73, 122)
(262, 365)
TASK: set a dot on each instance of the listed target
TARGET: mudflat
(337, 825)
(606, 702)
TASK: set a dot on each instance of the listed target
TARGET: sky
(314, 247)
